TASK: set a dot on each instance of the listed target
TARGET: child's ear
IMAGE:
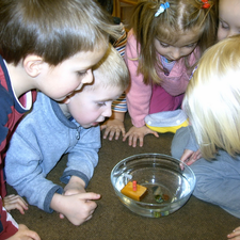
(33, 65)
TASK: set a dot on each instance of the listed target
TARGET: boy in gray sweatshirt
(70, 127)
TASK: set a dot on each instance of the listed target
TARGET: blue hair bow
(162, 8)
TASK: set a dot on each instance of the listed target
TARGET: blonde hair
(212, 99)
(111, 71)
(182, 15)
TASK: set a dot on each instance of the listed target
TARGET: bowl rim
(151, 204)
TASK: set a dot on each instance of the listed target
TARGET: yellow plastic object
(168, 129)
(136, 195)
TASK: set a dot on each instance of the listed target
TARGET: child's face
(183, 47)
(91, 107)
(59, 81)
(229, 18)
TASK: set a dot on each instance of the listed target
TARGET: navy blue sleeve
(6, 102)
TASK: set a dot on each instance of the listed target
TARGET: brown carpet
(196, 220)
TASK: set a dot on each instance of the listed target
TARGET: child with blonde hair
(164, 44)
(212, 102)
(53, 129)
(46, 45)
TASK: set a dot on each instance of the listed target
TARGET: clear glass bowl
(168, 175)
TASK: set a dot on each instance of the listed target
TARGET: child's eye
(81, 73)
(223, 25)
(165, 45)
(100, 104)
(191, 45)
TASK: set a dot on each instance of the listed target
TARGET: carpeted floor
(196, 220)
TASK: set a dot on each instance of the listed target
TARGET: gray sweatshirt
(40, 140)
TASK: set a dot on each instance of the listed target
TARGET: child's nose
(108, 111)
(88, 78)
(231, 33)
(176, 54)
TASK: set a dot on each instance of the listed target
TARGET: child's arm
(34, 159)
(138, 96)
(136, 134)
(235, 234)
(24, 233)
(77, 205)
(191, 152)
(114, 126)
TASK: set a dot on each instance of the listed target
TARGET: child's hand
(24, 233)
(113, 127)
(189, 156)
(75, 185)
(235, 234)
(136, 134)
(77, 208)
(11, 202)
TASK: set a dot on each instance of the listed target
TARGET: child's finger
(16, 199)
(106, 132)
(21, 209)
(111, 134)
(89, 196)
(130, 140)
(235, 234)
(196, 155)
(9, 196)
(117, 134)
(15, 202)
(135, 140)
(140, 142)
(155, 134)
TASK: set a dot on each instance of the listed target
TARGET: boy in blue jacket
(53, 129)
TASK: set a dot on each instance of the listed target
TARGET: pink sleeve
(139, 94)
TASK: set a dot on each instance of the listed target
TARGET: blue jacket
(41, 139)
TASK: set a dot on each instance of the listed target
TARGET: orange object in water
(136, 195)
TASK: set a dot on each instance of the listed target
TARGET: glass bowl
(169, 183)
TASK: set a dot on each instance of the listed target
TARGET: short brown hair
(54, 30)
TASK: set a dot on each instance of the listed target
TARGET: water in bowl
(171, 183)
